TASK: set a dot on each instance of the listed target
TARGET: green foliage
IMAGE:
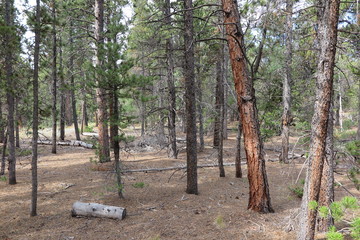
(353, 148)
(313, 205)
(355, 229)
(336, 210)
(88, 129)
(219, 221)
(348, 124)
(323, 211)
(297, 190)
(139, 185)
(353, 176)
(349, 202)
(3, 178)
(343, 135)
(333, 234)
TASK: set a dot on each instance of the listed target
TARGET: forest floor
(156, 202)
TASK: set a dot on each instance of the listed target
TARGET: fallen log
(68, 143)
(174, 168)
(97, 210)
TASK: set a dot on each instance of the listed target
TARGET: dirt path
(159, 210)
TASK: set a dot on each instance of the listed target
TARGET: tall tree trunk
(72, 84)
(172, 152)
(219, 106)
(259, 196)
(54, 79)
(358, 130)
(3, 162)
(84, 117)
(17, 123)
(191, 143)
(35, 126)
(68, 109)
(326, 196)
(340, 107)
(238, 172)
(2, 124)
(63, 93)
(101, 95)
(200, 110)
(286, 117)
(117, 143)
(9, 41)
(328, 14)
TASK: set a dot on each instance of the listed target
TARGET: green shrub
(347, 124)
(3, 178)
(353, 148)
(139, 185)
(333, 234)
(355, 229)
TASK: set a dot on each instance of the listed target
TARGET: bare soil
(160, 209)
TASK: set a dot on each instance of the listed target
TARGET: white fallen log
(97, 210)
(91, 134)
(68, 143)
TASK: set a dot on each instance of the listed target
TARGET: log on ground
(80, 209)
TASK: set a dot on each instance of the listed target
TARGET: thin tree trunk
(68, 109)
(9, 40)
(286, 117)
(358, 130)
(101, 94)
(84, 120)
(3, 157)
(328, 14)
(191, 142)
(2, 124)
(33, 211)
(259, 196)
(219, 123)
(172, 153)
(17, 124)
(63, 93)
(72, 83)
(326, 196)
(54, 79)
(117, 144)
(340, 108)
(238, 172)
(199, 109)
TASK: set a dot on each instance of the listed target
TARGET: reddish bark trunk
(259, 196)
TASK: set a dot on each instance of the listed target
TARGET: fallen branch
(97, 210)
(68, 143)
(175, 168)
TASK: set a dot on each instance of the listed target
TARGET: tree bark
(259, 196)
(35, 126)
(326, 196)
(219, 106)
(10, 91)
(3, 160)
(238, 172)
(328, 14)
(17, 123)
(63, 93)
(286, 116)
(97, 210)
(358, 130)
(54, 79)
(199, 109)
(117, 144)
(72, 84)
(101, 95)
(191, 142)
(172, 152)
(2, 124)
